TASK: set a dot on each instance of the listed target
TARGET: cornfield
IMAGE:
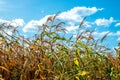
(53, 56)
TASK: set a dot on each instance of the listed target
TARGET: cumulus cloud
(71, 17)
(77, 13)
(18, 22)
(72, 29)
(14, 23)
(111, 34)
(115, 33)
(99, 35)
(4, 21)
(104, 22)
(33, 25)
(87, 24)
(117, 24)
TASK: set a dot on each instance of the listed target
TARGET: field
(52, 56)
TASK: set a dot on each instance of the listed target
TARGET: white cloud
(99, 35)
(118, 39)
(77, 13)
(104, 22)
(9, 32)
(115, 33)
(71, 17)
(71, 28)
(4, 21)
(18, 22)
(87, 24)
(15, 23)
(117, 24)
(33, 25)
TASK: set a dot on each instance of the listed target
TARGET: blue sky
(103, 15)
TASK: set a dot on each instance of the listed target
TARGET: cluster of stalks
(53, 56)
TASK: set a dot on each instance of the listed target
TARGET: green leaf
(119, 44)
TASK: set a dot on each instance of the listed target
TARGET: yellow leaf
(32, 46)
(1, 41)
(39, 68)
(83, 73)
(76, 61)
(77, 78)
(78, 51)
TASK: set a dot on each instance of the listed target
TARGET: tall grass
(52, 56)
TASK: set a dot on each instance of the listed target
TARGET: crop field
(52, 56)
